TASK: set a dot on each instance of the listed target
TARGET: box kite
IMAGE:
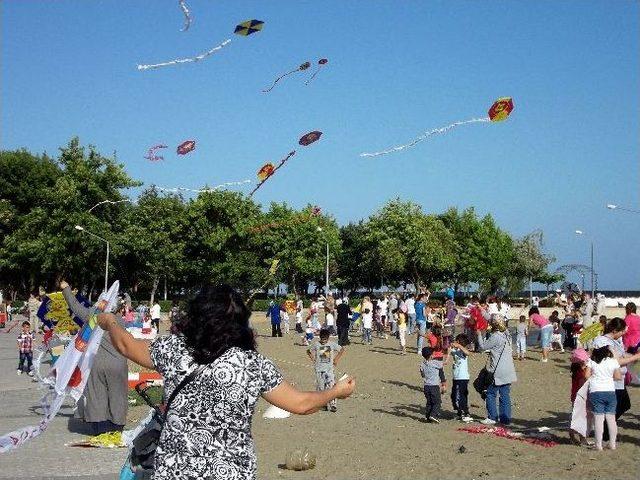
(186, 147)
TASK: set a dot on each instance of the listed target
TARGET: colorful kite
(248, 27)
(267, 171)
(499, 111)
(309, 138)
(151, 154)
(301, 68)
(203, 190)
(186, 147)
(197, 58)
(69, 374)
(322, 62)
(187, 15)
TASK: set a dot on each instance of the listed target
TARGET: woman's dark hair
(576, 367)
(215, 320)
(533, 310)
(601, 353)
(630, 308)
(615, 325)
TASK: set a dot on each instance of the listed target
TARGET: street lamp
(106, 267)
(612, 206)
(580, 232)
(326, 286)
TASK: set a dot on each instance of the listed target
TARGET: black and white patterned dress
(208, 430)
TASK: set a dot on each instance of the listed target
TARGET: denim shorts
(603, 402)
(545, 336)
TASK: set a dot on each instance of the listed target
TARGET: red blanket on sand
(506, 433)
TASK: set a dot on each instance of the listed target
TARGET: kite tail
(197, 58)
(424, 136)
(282, 162)
(187, 15)
(203, 190)
(278, 79)
(313, 76)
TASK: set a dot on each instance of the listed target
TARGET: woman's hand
(105, 320)
(344, 388)
(63, 284)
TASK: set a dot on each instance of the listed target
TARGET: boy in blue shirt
(460, 388)
(274, 313)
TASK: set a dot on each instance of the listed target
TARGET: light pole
(106, 267)
(611, 206)
(580, 232)
(326, 285)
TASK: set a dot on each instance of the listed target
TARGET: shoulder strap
(180, 386)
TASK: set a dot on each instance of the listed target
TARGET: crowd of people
(214, 339)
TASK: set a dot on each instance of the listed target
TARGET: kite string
(424, 136)
(314, 75)
(204, 190)
(197, 58)
(187, 15)
(282, 162)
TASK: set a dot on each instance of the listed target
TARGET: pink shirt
(632, 336)
(539, 320)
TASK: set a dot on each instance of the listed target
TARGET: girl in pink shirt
(546, 330)
(631, 338)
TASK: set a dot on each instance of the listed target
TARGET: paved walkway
(46, 456)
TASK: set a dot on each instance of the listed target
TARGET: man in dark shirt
(342, 322)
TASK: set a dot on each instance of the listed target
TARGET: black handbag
(144, 446)
(486, 378)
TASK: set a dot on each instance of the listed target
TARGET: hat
(426, 352)
(579, 355)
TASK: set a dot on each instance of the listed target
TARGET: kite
(186, 147)
(187, 15)
(69, 374)
(314, 212)
(301, 68)
(321, 63)
(203, 190)
(268, 170)
(499, 111)
(197, 58)
(309, 138)
(248, 27)
(151, 154)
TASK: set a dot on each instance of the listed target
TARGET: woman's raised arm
(289, 398)
(132, 348)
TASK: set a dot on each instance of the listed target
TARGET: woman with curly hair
(208, 429)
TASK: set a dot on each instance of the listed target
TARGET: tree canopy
(223, 236)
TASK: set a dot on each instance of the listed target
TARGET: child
(323, 354)
(402, 329)
(285, 321)
(522, 330)
(460, 388)
(367, 324)
(556, 337)
(434, 340)
(434, 384)
(25, 349)
(308, 332)
(579, 360)
(602, 370)
(330, 323)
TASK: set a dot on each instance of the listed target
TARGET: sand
(380, 431)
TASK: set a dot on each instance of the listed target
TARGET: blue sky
(396, 69)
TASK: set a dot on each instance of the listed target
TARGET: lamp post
(326, 285)
(580, 232)
(106, 267)
(612, 206)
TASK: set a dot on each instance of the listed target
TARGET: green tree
(404, 244)
(497, 255)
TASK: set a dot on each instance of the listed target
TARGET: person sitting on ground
(208, 432)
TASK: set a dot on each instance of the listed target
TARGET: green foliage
(163, 241)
